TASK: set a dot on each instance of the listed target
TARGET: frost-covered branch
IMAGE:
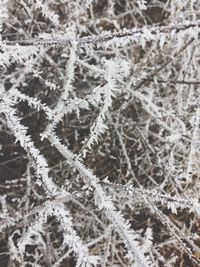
(20, 132)
(94, 89)
(104, 202)
(172, 202)
(138, 35)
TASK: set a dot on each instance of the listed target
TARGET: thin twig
(105, 37)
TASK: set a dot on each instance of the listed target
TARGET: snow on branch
(20, 132)
(15, 53)
(41, 168)
(104, 64)
(46, 11)
(32, 102)
(70, 237)
(122, 227)
(172, 202)
(60, 107)
(115, 71)
(137, 35)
